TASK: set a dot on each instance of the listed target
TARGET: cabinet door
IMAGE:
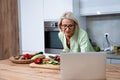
(108, 61)
(99, 7)
(115, 61)
(53, 9)
(31, 25)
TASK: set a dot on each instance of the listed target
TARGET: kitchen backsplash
(97, 26)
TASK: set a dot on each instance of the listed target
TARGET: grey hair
(68, 15)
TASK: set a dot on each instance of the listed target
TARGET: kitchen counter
(11, 71)
(110, 55)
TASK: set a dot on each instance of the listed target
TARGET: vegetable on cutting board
(41, 59)
(38, 56)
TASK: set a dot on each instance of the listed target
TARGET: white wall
(31, 25)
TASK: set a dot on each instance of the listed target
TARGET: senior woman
(73, 38)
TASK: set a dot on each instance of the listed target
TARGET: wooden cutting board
(45, 66)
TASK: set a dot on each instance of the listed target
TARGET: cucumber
(38, 56)
(55, 62)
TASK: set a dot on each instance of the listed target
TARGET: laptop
(83, 66)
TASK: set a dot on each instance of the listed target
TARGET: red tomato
(38, 61)
(27, 56)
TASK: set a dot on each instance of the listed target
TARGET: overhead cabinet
(99, 7)
(53, 9)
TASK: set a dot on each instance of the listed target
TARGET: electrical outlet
(106, 34)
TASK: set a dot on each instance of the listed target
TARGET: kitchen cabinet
(31, 25)
(99, 7)
(115, 61)
(113, 58)
(108, 61)
(53, 9)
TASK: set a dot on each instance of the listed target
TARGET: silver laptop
(83, 66)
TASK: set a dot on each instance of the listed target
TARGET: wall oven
(52, 42)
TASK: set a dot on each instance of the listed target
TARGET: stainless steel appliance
(52, 42)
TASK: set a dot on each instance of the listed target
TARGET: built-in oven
(52, 42)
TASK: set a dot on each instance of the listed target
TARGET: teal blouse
(79, 42)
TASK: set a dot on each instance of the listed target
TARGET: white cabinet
(99, 7)
(53, 9)
(115, 61)
(31, 25)
(108, 61)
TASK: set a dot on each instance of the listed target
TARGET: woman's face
(68, 27)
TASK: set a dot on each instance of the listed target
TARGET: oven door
(52, 42)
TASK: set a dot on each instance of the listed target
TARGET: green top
(79, 42)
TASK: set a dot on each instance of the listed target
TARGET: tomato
(38, 61)
(27, 56)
